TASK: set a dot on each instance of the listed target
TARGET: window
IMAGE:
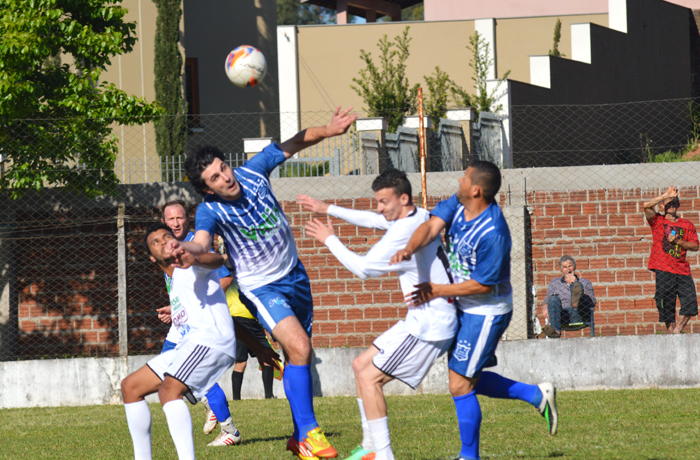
(192, 91)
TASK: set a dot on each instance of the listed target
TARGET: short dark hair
(154, 228)
(487, 176)
(173, 203)
(197, 161)
(394, 179)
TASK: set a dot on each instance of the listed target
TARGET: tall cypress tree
(171, 129)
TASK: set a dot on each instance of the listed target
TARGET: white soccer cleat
(210, 422)
(548, 406)
(226, 439)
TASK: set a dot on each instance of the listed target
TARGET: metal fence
(72, 269)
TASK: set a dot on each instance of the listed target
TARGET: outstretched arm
(425, 292)
(649, 206)
(420, 239)
(340, 123)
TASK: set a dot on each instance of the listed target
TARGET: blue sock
(299, 387)
(288, 391)
(469, 419)
(496, 386)
(218, 403)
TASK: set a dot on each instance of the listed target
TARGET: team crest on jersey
(462, 350)
(278, 302)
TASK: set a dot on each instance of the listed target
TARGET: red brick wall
(66, 274)
(606, 232)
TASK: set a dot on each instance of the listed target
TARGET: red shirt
(665, 255)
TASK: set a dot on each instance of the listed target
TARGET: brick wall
(66, 275)
(606, 232)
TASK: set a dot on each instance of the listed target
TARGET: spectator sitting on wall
(569, 299)
(672, 237)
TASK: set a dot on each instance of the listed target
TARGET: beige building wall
(329, 58)
(520, 38)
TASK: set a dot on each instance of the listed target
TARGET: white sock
(138, 417)
(367, 443)
(380, 437)
(205, 401)
(228, 426)
(180, 426)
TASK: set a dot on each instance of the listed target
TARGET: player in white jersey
(479, 246)
(206, 349)
(407, 350)
(239, 205)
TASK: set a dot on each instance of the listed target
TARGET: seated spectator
(569, 299)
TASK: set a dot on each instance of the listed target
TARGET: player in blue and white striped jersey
(479, 247)
(240, 206)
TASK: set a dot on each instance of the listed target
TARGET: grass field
(630, 424)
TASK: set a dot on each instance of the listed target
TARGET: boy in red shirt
(672, 238)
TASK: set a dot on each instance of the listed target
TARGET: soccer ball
(246, 66)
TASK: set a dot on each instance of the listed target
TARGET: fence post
(121, 284)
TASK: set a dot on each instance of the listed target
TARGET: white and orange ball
(246, 66)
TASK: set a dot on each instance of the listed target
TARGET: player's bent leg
(138, 416)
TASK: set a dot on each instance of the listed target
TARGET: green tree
(555, 42)
(439, 85)
(56, 120)
(171, 130)
(292, 12)
(480, 62)
(413, 13)
(384, 87)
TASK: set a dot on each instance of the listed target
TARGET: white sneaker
(548, 406)
(226, 439)
(210, 422)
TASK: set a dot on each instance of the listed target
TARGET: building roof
(355, 11)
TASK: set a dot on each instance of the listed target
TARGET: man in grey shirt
(569, 299)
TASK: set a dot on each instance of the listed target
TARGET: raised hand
(312, 204)
(317, 229)
(672, 192)
(340, 122)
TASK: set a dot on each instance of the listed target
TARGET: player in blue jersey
(239, 205)
(479, 246)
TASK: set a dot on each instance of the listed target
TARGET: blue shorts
(168, 345)
(474, 348)
(288, 296)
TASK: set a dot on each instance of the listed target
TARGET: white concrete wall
(573, 364)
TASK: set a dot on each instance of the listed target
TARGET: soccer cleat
(210, 422)
(358, 453)
(318, 445)
(226, 439)
(548, 406)
(300, 450)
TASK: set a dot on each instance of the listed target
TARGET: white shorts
(197, 366)
(406, 357)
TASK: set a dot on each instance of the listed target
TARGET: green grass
(630, 424)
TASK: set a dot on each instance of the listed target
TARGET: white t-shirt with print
(199, 309)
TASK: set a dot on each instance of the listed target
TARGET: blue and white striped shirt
(258, 238)
(479, 249)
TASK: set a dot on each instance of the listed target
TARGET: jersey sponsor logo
(178, 313)
(279, 302)
(462, 350)
(459, 269)
(266, 228)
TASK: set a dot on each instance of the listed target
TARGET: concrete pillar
(520, 275)
(465, 116)
(371, 15)
(8, 294)
(373, 140)
(342, 8)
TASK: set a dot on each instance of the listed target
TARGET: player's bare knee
(298, 350)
